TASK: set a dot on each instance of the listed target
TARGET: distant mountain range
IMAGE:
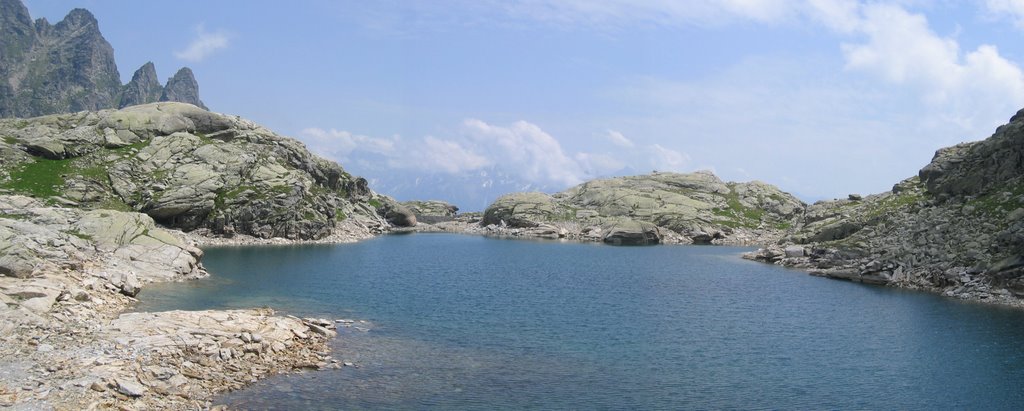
(69, 66)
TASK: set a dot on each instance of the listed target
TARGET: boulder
(795, 251)
(631, 232)
(400, 216)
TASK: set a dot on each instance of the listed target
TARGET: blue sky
(820, 97)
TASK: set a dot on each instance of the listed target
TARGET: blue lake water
(465, 322)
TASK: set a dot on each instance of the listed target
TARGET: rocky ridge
(70, 67)
(957, 228)
(649, 209)
(190, 169)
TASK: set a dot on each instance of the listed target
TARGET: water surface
(465, 322)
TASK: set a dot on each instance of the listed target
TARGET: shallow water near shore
(465, 322)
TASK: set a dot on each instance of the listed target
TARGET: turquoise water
(464, 322)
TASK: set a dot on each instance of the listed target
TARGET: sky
(820, 97)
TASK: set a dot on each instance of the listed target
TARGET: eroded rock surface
(191, 169)
(65, 342)
(665, 207)
(957, 228)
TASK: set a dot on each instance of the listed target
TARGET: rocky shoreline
(68, 342)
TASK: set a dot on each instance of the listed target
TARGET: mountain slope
(956, 228)
(69, 67)
(190, 169)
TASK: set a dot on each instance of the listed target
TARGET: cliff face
(956, 228)
(143, 88)
(56, 68)
(182, 87)
(188, 168)
(70, 67)
(653, 208)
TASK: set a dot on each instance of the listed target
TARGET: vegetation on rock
(696, 207)
(187, 168)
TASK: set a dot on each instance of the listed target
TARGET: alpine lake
(445, 321)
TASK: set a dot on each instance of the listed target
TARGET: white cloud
(522, 150)
(524, 147)
(441, 155)
(665, 159)
(595, 164)
(1013, 8)
(204, 44)
(340, 144)
(839, 15)
(901, 48)
(618, 139)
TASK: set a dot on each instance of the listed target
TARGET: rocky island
(671, 208)
(956, 229)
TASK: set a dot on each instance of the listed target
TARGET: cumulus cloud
(1012, 8)
(525, 147)
(618, 139)
(666, 159)
(340, 144)
(901, 48)
(204, 44)
(437, 154)
(522, 150)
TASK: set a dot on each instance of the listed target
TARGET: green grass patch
(41, 178)
(281, 189)
(114, 203)
(79, 234)
(10, 140)
(999, 202)
(375, 203)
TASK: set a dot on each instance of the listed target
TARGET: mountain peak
(78, 19)
(143, 88)
(184, 88)
(79, 71)
(13, 11)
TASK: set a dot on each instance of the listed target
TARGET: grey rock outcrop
(69, 67)
(689, 208)
(432, 211)
(55, 68)
(184, 88)
(187, 168)
(632, 232)
(144, 87)
(398, 215)
(36, 239)
(956, 228)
